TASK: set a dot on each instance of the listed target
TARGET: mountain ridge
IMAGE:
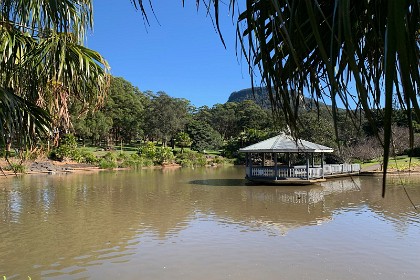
(260, 96)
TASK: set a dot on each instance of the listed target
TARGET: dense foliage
(131, 116)
(151, 120)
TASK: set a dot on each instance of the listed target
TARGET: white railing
(298, 173)
(283, 172)
(315, 172)
(301, 172)
(331, 169)
(262, 172)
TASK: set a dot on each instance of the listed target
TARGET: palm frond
(38, 17)
(42, 57)
(20, 119)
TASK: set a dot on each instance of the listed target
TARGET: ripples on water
(206, 224)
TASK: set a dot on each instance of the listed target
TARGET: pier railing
(301, 172)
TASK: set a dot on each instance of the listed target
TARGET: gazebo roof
(286, 144)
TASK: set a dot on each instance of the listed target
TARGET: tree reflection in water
(58, 225)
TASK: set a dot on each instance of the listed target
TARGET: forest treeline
(130, 116)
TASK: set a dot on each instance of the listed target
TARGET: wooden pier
(299, 175)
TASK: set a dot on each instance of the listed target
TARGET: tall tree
(224, 120)
(203, 136)
(166, 116)
(251, 116)
(125, 106)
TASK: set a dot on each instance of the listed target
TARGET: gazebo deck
(299, 174)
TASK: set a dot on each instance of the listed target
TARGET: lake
(206, 223)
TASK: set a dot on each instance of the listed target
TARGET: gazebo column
(248, 171)
(288, 164)
(322, 165)
(276, 168)
(307, 166)
(250, 164)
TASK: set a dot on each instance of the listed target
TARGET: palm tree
(326, 47)
(44, 64)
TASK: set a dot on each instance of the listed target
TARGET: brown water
(206, 224)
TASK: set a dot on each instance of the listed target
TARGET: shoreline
(51, 167)
(389, 173)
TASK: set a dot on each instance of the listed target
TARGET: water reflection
(53, 226)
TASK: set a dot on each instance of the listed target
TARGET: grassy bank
(399, 163)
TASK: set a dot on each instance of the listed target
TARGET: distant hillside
(260, 96)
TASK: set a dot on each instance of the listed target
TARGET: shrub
(135, 157)
(148, 150)
(107, 164)
(68, 140)
(146, 162)
(110, 157)
(218, 160)
(191, 159)
(32, 154)
(16, 167)
(76, 155)
(123, 157)
(89, 157)
(164, 155)
(66, 149)
(415, 152)
(128, 163)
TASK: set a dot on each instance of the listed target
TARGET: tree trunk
(8, 147)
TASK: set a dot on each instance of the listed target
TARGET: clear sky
(180, 54)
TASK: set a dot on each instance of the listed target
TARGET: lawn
(398, 163)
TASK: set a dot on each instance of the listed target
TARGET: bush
(66, 149)
(123, 157)
(128, 163)
(164, 155)
(415, 152)
(148, 150)
(68, 140)
(89, 157)
(110, 157)
(140, 161)
(16, 168)
(107, 164)
(218, 160)
(32, 154)
(125, 160)
(76, 155)
(191, 159)
(146, 162)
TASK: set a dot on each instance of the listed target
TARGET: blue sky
(181, 54)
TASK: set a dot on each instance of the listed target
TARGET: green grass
(400, 163)
(100, 152)
(211, 152)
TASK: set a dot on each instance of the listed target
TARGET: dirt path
(370, 168)
(48, 166)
